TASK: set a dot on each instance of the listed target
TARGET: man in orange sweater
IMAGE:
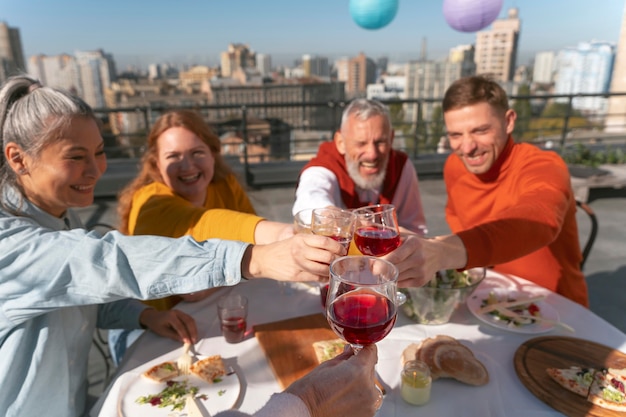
(510, 205)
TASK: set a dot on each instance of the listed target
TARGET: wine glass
(377, 231)
(302, 221)
(335, 223)
(362, 302)
(361, 307)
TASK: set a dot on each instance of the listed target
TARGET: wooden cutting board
(533, 357)
(288, 345)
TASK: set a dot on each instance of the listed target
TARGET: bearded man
(361, 168)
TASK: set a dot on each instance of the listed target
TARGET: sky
(139, 32)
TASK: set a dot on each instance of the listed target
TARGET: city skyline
(187, 33)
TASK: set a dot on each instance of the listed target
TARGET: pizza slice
(575, 378)
(162, 372)
(607, 389)
(209, 369)
(328, 349)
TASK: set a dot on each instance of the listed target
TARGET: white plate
(139, 386)
(474, 304)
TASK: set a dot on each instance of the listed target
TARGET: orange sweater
(227, 214)
(519, 217)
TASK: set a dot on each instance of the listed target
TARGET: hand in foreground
(302, 257)
(171, 323)
(343, 386)
(418, 258)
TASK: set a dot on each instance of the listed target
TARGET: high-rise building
(238, 56)
(616, 118)
(58, 71)
(496, 49)
(585, 69)
(316, 66)
(463, 54)
(264, 64)
(544, 68)
(11, 53)
(97, 70)
(361, 72)
(429, 80)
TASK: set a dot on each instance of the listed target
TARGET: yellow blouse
(227, 214)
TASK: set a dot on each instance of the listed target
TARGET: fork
(184, 360)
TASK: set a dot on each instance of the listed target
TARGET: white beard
(374, 183)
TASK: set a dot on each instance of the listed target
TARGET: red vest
(329, 157)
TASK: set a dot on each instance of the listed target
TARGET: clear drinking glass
(337, 224)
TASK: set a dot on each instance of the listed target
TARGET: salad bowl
(435, 302)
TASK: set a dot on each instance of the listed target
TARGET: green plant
(582, 155)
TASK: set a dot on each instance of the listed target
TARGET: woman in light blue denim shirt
(58, 281)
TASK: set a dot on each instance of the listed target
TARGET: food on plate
(607, 389)
(448, 358)
(576, 379)
(328, 349)
(162, 372)
(173, 395)
(603, 387)
(209, 369)
(512, 311)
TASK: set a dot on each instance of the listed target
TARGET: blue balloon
(373, 14)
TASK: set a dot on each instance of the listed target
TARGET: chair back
(592, 232)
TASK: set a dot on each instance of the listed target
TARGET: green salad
(173, 395)
(451, 278)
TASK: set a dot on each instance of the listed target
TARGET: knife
(194, 408)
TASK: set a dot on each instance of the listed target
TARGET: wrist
(144, 317)
(250, 265)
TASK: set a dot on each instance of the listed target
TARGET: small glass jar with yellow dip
(415, 382)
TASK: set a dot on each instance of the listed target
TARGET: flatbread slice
(162, 372)
(426, 353)
(607, 390)
(458, 361)
(575, 379)
(209, 369)
(328, 349)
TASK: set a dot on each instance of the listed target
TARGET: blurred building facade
(237, 56)
(496, 49)
(11, 53)
(585, 69)
(361, 72)
(544, 68)
(616, 120)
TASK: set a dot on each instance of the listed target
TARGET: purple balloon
(373, 14)
(471, 15)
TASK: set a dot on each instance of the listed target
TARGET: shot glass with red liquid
(232, 311)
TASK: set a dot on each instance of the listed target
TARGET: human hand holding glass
(377, 231)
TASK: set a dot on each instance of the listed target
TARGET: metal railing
(269, 135)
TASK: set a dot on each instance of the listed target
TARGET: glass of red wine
(362, 306)
(377, 231)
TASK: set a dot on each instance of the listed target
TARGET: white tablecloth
(504, 395)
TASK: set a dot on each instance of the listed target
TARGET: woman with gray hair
(59, 281)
